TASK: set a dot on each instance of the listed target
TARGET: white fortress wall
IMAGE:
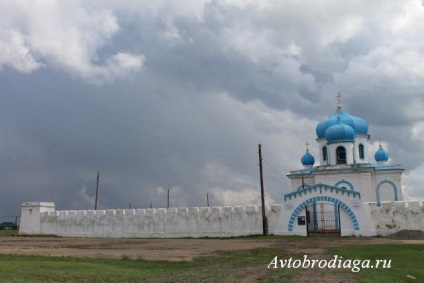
(393, 216)
(41, 218)
(195, 222)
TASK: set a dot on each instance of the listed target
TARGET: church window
(341, 155)
(324, 153)
(361, 151)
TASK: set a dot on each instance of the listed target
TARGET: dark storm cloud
(161, 96)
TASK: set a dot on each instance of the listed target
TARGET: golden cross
(339, 99)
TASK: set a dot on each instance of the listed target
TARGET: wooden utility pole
(167, 206)
(97, 190)
(264, 218)
(207, 199)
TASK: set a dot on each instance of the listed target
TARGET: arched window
(324, 153)
(341, 155)
(361, 151)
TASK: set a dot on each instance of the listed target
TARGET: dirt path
(172, 249)
(150, 249)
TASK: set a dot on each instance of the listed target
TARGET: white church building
(332, 196)
(343, 141)
(346, 193)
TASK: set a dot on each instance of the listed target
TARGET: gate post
(308, 220)
(340, 226)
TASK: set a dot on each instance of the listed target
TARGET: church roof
(381, 155)
(307, 159)
(359, 125)
(339, 132)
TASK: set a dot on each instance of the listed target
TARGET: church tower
(342, 138)
(343, 142)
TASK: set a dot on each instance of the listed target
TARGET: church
(330, 196)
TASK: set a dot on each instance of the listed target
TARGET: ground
(186, 249)
(150, 249)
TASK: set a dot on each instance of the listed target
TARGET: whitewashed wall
(149, 223)
(395, 216)
(41, 218)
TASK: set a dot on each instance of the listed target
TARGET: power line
(144, 135)
(269, 157)
(276, 170)
(274, 177)
(139, 123)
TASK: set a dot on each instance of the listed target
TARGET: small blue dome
(340, 132)
(359, 125)
(381, 155)
(307, 159)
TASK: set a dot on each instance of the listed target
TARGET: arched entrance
(353, 219)
(322, 208)
(323, 218)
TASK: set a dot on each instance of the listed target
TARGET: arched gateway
(351, 215)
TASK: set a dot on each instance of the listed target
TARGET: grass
(217, 267)
(9, 233)
(220, 267)
(405, 260)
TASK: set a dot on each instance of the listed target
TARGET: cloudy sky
(176, 95)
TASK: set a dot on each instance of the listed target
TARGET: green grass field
(8, 233)
(222, 267)
(216, 267)
(405, 260)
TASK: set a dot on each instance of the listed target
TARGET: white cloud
(84, 201)
(412, 184)
(64, 35)
(121, 65)
(15, 53)
(246, 196)
(227, 187)
(126, 61)
(417, 132)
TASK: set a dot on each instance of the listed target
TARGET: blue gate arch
(322, 198)
(377, 190)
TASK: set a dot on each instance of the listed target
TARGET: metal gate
(323, 217)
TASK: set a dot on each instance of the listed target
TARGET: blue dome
(381, 155)
(359, 125)
(340, 132)
(307, 159)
